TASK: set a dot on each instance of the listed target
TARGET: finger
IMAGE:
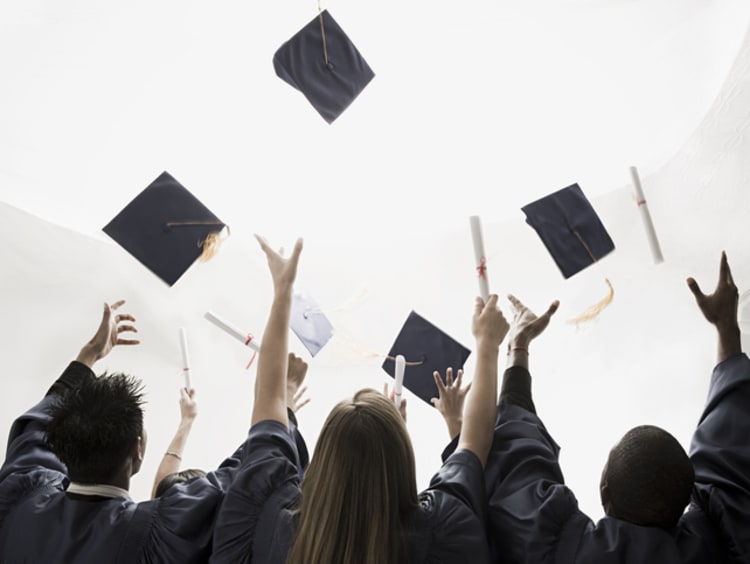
(478, 306)
(449, 377)
(264, 245)
(434, 401)
(516, 302)
(117, 304)
(302, 404)
(299, 393)
(297, 250)
(124, 317)
(385, 389)
(492, 301)
(467, 388)
(694, 288)
(128, 328)
(183, 394)
(552, 309)
(191, 393)
(439, 382)
(724, 273)
(459, 377)
(128, 342)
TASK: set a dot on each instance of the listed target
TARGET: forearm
(73, 375)
(270, 391)
(479, 413)
(729, 342)
(172, 458)
(516, 388)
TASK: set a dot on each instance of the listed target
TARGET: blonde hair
(360, 490)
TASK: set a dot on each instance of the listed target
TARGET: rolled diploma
(185, 357)
(646, 216)
(399, 377)
(481, 259)
(245, 338)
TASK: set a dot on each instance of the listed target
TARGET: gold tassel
(593, 311)
(211, 244)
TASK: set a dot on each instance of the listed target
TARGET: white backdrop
(475, 109)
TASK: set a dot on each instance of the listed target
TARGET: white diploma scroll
(185, 357)
(481, 258)
(398, 387)
(653, 242)
(245, 338)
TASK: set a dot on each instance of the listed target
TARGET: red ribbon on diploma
(482, 268)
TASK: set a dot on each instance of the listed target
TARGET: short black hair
(95, 426)
(649, 478)
(177, 478)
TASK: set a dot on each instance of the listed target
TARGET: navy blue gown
(534, 518)
(41, 523)
(256, 522)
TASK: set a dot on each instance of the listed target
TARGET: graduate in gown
(64, 483)
(648, 480)
(358, 501)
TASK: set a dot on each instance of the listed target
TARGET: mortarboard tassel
(211, 244)
(594, 310)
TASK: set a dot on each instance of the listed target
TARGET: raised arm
(271, 384)
(525, 327)
(170, 462)
(720, 449)
(27, 448)
(489, 328)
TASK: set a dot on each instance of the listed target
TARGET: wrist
(87, 356)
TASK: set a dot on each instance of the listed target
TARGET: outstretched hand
(526, 325)
(450, 402)
(392, 396)
(108, 335)
(283, 270)
(295, 376)
(719, 308)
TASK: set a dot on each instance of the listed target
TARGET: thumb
(434, 401)
(552, 308)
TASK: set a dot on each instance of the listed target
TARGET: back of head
(95, 427)
(359, 491)
(648, 478)
(177, 478)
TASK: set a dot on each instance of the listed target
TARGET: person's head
(177, 478)
(360, 488)
(648, 478)
(97, 429)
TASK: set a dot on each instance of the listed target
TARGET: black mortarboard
(321, 62)
(166, 228)
(426, 349)
(309, 323)
(570, 229)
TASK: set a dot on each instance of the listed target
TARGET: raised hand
(391, 395)
(719, 308)
(295, 376)
(283, 270)
(488, 323)
(526, 325)
(188, 405)
(108, 335)
(450, 402)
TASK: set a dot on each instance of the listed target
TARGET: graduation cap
(321, 62)
(426, 349)
(573, 234)
(570, 229)
(309, 323)
(166, 228)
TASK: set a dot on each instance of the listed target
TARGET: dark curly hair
(95, 426)
(649, 478)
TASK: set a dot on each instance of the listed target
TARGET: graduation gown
(256, 521)
(534, 517)
(41, 522)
